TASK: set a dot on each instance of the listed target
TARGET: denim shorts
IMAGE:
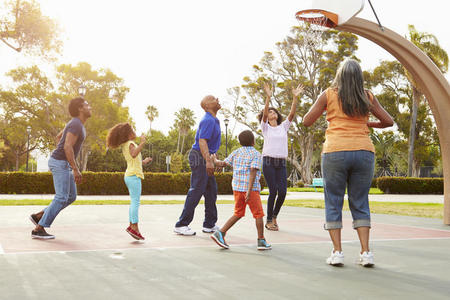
(352, 170)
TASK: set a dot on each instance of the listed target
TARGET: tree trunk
(412, 130)
(178, 142)
(182, 144)
(17, 160)
(306, 159)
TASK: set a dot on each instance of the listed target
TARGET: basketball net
(314, 25)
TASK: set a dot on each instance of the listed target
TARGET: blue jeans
(275, 174)
(201, 185)
(352, 170)
(65, 190)
(134, 185)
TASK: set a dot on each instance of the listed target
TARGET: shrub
(409, 185)
(108, 183)
(299, 184)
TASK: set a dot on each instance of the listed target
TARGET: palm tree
(429, 44)
(184, 122)
(151, 113)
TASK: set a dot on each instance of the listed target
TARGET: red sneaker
(134, 234)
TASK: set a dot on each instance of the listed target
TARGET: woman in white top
(275, 152)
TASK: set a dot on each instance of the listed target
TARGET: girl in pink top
(275, 151)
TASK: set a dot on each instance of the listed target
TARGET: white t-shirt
(275, 139)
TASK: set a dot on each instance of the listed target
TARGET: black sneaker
(41, 234)
(34, 219)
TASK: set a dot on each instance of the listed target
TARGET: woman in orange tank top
(348, 154)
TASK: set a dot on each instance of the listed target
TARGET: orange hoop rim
(330, 22)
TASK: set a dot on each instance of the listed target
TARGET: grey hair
(350, 85)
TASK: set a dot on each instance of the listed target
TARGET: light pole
(28, 145)
(82, 90)
(226, 121)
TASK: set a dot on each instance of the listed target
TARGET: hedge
(410, 185)
(107, 183)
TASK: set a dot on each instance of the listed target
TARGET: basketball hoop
(315, 22)
(317, 18)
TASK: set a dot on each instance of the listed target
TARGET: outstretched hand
(268, 89)
(147, 160)
(143, 138)
(298, 90)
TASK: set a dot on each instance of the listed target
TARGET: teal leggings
(134, 186)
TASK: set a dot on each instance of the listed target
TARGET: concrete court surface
(93, 257)
(289, 196)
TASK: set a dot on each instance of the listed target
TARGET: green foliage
(34, 101)
(410, 185)
(108, 183)
(176, 162)
(23, 27)
(295, 61)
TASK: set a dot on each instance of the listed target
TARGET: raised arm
(134, 151)
(268, 89)
(378, 111)
(316, 110)
(296, 93)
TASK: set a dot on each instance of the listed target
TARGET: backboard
(345, 9)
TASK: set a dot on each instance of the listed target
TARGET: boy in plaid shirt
(246, 162)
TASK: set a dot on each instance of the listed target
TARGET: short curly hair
(246, 138)
(118, 135)
(279, 118)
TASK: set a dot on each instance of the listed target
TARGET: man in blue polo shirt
(203, 182)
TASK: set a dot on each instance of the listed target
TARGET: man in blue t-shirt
(64, 168)
(203, 182)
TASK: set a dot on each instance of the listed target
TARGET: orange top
(345, 133)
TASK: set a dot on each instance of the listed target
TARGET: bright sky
(172, 53)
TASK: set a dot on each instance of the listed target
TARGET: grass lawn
(428, 210)
(373, 191)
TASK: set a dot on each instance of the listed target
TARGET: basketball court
(92, 256)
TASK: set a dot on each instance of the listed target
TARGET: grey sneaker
(41, 234)
(217, 237)
(210, 230)
(263, 245)
(34, 218)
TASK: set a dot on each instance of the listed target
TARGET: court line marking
(214, 246)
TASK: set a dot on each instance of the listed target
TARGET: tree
(106, 111)
(176, 162)
(429, 44)
(36, 101)
(151, 113)
(297, 60)
(23, 27)
(184, 121)
(396, 96)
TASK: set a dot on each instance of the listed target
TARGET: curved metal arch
(432, 83)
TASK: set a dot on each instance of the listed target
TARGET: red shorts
(254, 203)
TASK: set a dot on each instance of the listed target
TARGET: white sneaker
(336, 258)
(184, 230)
(366, 259)
(210, 230)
